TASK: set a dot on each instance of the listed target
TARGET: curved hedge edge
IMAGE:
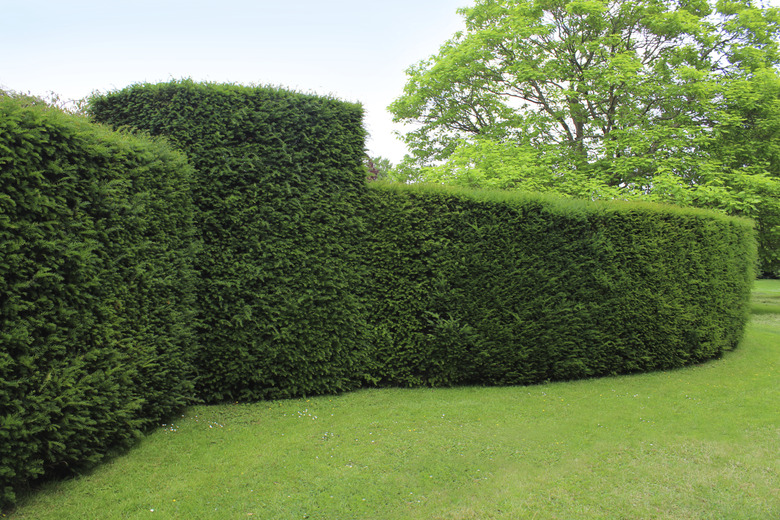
(514, 288)
(96, 278)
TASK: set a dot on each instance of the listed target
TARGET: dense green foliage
(266, 267)
(313, 283)
(673, 101)
(95, 283)
(504, 288)
(278, 174)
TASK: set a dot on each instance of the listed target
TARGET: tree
(378, 168)
(635, 99)
(747, 145)
(52, 99)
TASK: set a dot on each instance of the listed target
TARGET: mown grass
(766, 297)
(698, 443)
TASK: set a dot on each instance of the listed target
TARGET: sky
(354, 50)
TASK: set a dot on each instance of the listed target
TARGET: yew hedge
(256, 262)
(278, 175)
(473, 287)
(95, 290)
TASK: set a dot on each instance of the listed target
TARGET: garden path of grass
(697, 443)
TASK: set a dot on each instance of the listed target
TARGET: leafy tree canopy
(675, 101)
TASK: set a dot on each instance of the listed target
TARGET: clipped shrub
(313, 283)
(476, 287)
(131, 280)
(278, 175)
(95, 290)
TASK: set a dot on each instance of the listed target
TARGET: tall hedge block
(95, 290)
(278, 175)
(500, 288)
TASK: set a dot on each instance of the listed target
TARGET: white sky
(355, 50)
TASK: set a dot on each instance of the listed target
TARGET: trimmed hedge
(131, 280)
(506, 288)
(278, 175)
(313, 283)
(95, 290)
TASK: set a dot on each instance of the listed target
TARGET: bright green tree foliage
(748, 146)
(95, 290)
(629, 99)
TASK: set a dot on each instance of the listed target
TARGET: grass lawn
(698, 443)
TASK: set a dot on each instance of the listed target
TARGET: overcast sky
(356, 50)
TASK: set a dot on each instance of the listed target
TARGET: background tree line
(668, 101)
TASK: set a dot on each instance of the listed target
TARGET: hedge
(474, 287)
(263, 266)
(95, 290)
(278, 175)
(314, 283)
